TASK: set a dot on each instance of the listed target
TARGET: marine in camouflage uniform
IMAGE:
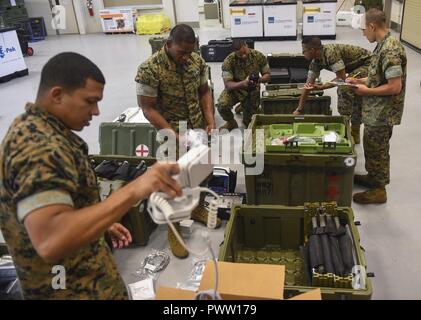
(42, 162)
(237, 69)
(355, 60)
(381, 113)
(175, 86)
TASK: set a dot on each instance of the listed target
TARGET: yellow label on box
(238, 12)
(311, 10)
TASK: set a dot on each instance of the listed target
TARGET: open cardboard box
(240, 281)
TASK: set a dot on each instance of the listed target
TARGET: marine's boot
(371, 196)
(177, 249)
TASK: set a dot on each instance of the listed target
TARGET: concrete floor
(390, 233)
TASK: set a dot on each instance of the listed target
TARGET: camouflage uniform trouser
(376, 153)
(349, 103)
(249, 101)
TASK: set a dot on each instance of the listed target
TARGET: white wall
(86, 23)
(169, 10)
(397, 10)
(71, 21)
(346, 4)
(41, 8)
(187, 11)
(92, 24)
(226, 22)
(80, 16)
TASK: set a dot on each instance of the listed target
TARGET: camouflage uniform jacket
(337, 57)
(237, 69)
(175, 86)
(43, 163)
(389, 61)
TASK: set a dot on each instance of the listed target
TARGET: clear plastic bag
(197, 270)
(195, 276)
(153, 264)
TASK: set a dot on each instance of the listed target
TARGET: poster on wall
(117, 20)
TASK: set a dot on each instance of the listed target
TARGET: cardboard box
(164, 293)
(244, 281)
(240, 281)
(315, 294)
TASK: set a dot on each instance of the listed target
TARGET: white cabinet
(319, 18)
(246, 19)
(280, 19)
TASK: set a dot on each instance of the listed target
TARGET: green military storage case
(127, 139)
(287, 60)
(137, 220)
(288, 89)
(156, 43)
(287, 68)
(282, 104)
(276, 235)
(8, 3)
(295, 178)
(310, 139)
(13, 14)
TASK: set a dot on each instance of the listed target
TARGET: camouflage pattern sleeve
(37, 168)
(313, 72)
(42, 199)
(204, 76)
(263, 63)
(227, 72)
(147, 79)
(392, 64)
(333, 58)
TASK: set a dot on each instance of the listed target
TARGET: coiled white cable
(213, 209)
(212, 214)
(159, 203)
